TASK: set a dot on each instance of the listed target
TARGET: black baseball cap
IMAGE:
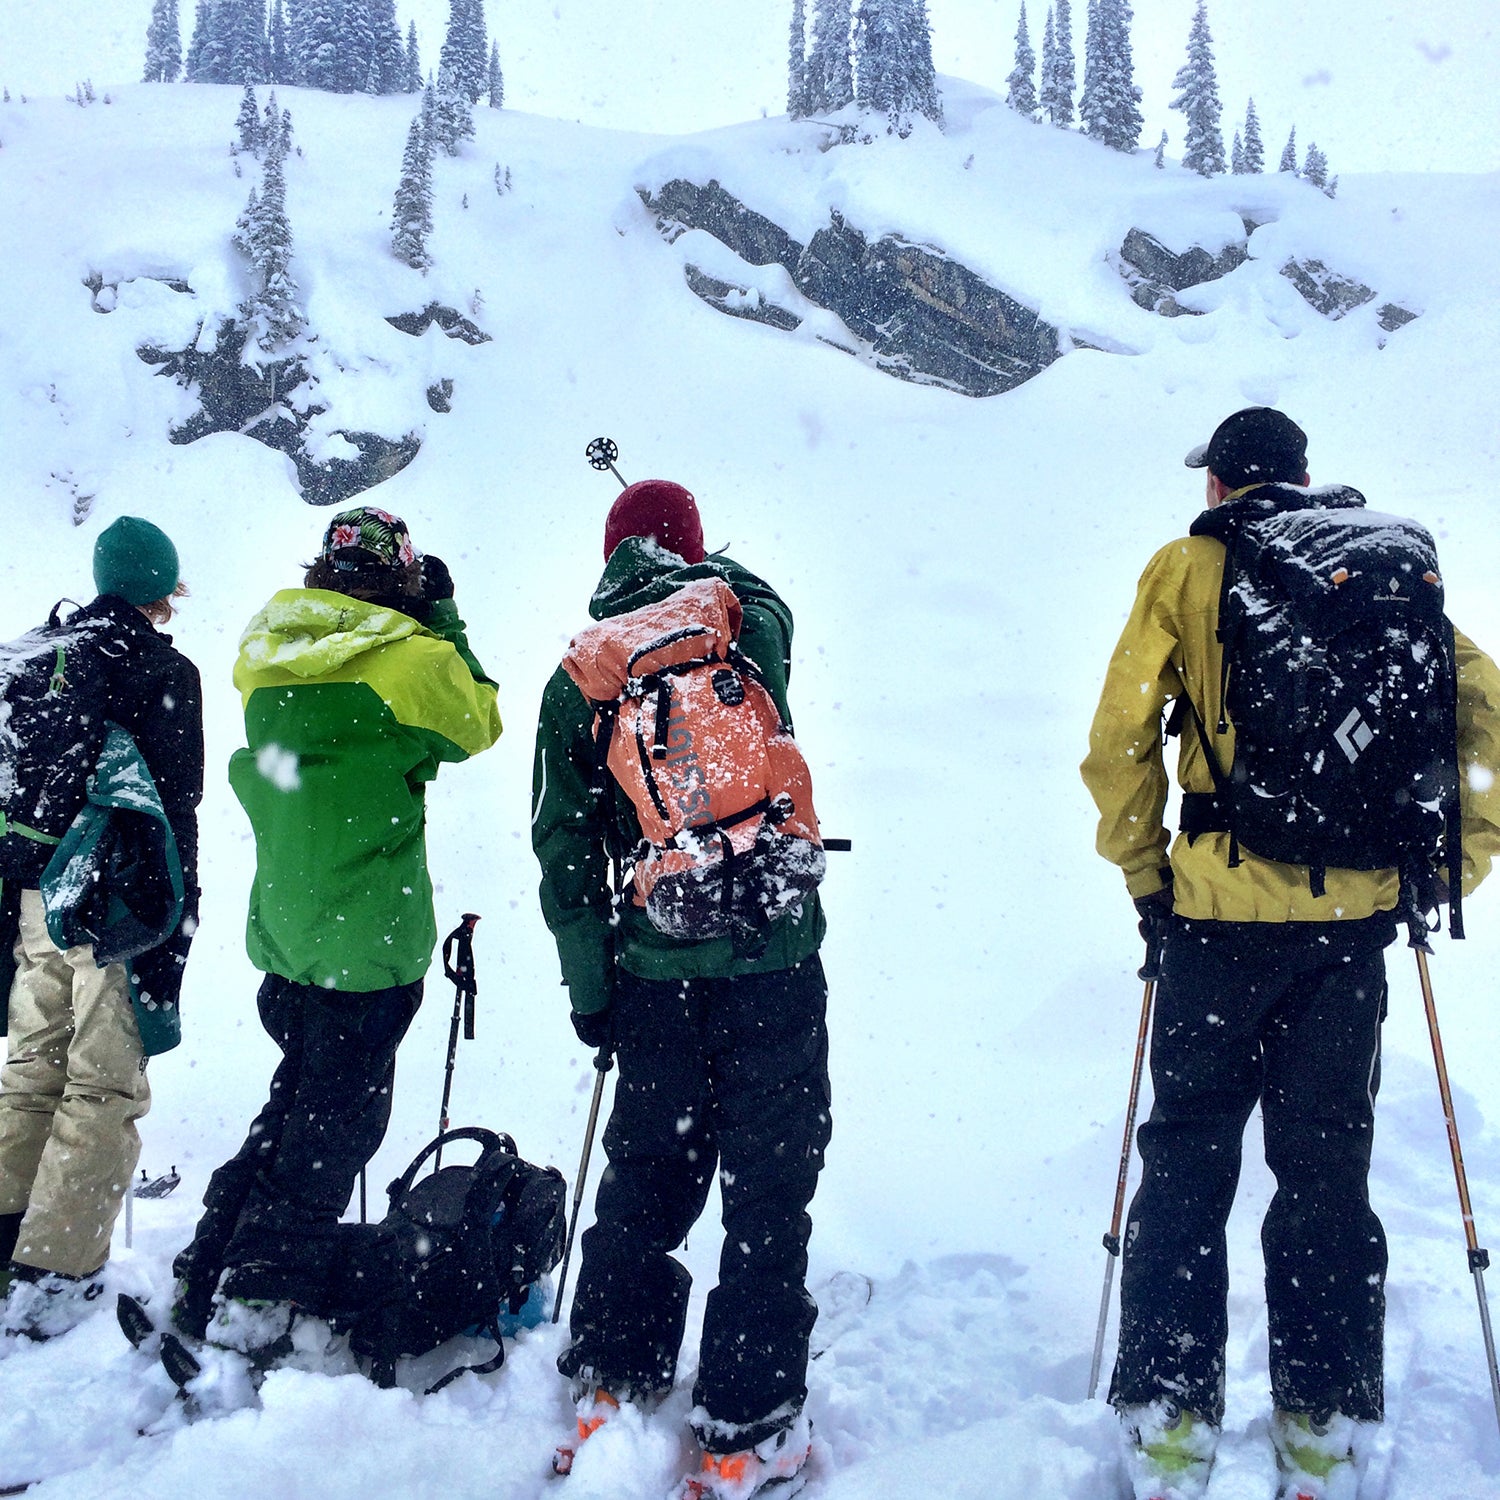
(1255, 446)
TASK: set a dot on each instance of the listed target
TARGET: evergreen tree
(495, 83)
(450, 115)
(390, 59)
(1289, 154)
(1161, 153)
(1021, 93)
(464, 56)
(1255, 151)
(216, 51)
(1049, 64)
(277, 122)
(1332, 190)
(1237, 155)
(830, 71)
(1315, 166)
(163, 44)
(321, 64)
(295, 66)
(411, 217)
(358, 69)
(1058, 84)
(245, 40)
(880, 76)
(276, 55)
(271, 312)
(1110, 106)
(202, 22)
(916, 50)
(248, 122)
(1198, 99)
(796, 70)
(411, 76)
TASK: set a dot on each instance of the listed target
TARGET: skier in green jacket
(356, 688)
(723, 1058)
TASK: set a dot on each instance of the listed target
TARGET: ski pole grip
(1112, 1244)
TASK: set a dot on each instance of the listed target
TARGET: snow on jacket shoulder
(350, 709)
(1169, 642)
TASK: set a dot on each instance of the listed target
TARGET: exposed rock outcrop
(1326, 290)
(453, 323)
(1155, 273)
(914, 311)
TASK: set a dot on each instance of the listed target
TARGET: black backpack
(1340, 679)
(457, 1251)
(53, 693)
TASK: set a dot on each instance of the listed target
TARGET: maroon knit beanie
(660, 509)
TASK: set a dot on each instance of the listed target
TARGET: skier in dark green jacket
(356, 687)
(723, 1059)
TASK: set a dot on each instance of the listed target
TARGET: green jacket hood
(311, 632)
(641, 572)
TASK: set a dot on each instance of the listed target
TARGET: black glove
(437, 581)
(1153, 911)
(596, 1028)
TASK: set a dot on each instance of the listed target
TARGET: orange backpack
(723, 796)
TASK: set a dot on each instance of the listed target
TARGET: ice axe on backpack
(601, 454)
(458, 965)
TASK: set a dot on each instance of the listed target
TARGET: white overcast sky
(1381, 85)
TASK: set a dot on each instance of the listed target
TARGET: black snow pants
(1286, 1015)
(271, 1213)
(730, 1073)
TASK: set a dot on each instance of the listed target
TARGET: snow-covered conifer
(450, 115)
(321, 61)
(1110, 106)
(1161, 153)
(390, 59)
(1021, 85)
(1315, 166)
(359, 69)
(277, 62)
(1332, 190)
(411, 218)
(1237, 155)
(193, 62)
(247, 122)
(411, 77)
(272, 311)
(495, 81)
(1198, 99)
(1289, 154)
(830, 71)
(464, 56)
(1255, 150)
(1058, 78)
(163, 44)
(921, 76)
(796, 68)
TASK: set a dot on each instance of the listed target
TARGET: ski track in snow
(959, 571)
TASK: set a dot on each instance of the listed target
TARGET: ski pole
(460, 970)
(601, 454)
(1150, 971)
(1479, 1258)
(603, 1062)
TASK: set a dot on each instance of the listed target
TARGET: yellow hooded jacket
(1169, 643)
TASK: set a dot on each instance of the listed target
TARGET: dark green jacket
(568, 824)
(350, 709)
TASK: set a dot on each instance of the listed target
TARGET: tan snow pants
(73, 1086)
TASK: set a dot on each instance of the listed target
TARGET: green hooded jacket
(349, 710)
(568, 823)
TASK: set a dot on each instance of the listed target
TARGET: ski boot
(1315, 1457)
(42, 1304)
(775, 1468)
(1168, 1452)
(595, 1408)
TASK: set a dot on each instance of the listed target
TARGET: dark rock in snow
(273, 402)
(440, 395)
(912, 310)
(454, 324)
(1393, 316)
(739, 301)
(1325, 290)
(1154, 273)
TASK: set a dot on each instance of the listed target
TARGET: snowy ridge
(959, 570)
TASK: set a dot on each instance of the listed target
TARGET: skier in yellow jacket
(1272, 992)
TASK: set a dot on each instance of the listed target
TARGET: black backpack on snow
(456, 1251)
(1340, 679)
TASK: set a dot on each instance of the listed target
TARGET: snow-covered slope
(958, 569)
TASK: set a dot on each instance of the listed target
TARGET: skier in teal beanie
(135, 561)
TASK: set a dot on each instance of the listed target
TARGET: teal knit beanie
(136, 561)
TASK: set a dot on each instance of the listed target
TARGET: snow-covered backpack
(52, 698)
(689, 731)
(1340, 680)
(461, 1250)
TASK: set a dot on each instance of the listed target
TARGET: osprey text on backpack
(722, 794)
(1340, 680)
